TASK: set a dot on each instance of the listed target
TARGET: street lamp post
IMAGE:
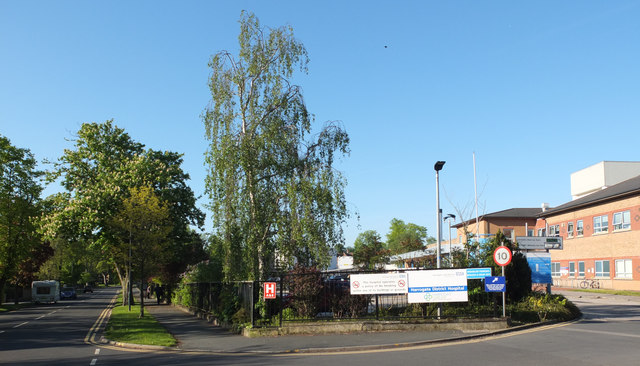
(449, 218)
(438, 167)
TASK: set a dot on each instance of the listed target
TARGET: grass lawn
(125, 326)
(9, 307)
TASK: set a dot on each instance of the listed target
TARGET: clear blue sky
(537, 90)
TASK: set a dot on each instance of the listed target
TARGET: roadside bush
(542, 307)
(305, 284)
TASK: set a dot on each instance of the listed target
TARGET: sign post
(502, 256)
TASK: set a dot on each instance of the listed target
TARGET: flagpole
(475, 187)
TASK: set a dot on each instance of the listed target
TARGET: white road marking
(40, 317)
(1, 331)
(93, 362)
(19, 325)
(97, 351)
(603, 332)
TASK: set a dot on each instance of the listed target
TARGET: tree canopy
(20, 208)
(405, 237)
(370, 250)
(273, 187)
(145, 218)
(99, 175)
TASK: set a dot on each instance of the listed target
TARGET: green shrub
(543, 307)
(305, 284)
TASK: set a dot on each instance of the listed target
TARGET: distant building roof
(517, 213)
(624, 189)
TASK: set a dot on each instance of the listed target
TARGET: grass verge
(610, 292)
(10, 307)
(125, 326)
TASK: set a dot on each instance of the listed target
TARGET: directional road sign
(539, 242)
(495, 284)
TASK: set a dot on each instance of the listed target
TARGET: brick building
(600, 231)
(512, 222)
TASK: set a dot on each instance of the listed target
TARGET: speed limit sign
(502, 256)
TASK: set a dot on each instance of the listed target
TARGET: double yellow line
(93, 331)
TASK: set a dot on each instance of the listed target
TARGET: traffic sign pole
(504, 299)
(502, 256)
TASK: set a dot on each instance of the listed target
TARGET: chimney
(545, 206)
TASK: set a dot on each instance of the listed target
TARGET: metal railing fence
(324, 296)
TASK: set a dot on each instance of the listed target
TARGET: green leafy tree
(98, 175)
(403, 237)
(517, 273)
(369, 250)
(146, 220)
(19, 209)
(274, 190)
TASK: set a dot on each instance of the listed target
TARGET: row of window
(621, 221)
(602, 269)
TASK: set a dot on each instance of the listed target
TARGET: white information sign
(378, 283)
(442, 285)
(539, 242)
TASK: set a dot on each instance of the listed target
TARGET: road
(52, 334)
(609, 334)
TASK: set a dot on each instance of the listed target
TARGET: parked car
(68, 292)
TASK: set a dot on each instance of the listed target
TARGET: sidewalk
(195, 334)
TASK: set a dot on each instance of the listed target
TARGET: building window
(572, 269)
(600, 224)
(542, 232)
(579, 228)
(554, 230)
(622, 220)
(570, 230)
(602, 268)
(580, 269)
(623, 268)
(555, 269)
(529, 232)
(508, 233)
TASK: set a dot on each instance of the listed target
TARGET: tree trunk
(16, 299)
(3, 282)
(142, 289)
(123, 283)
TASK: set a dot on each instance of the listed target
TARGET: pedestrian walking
(159, 294)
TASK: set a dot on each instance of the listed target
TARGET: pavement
(198, 335)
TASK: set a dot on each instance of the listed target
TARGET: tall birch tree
(274, 190)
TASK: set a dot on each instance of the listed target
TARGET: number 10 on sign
(502, 256)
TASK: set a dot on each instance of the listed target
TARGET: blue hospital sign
(540, 264)
(495, 284)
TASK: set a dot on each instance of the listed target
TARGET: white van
(45, 291)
